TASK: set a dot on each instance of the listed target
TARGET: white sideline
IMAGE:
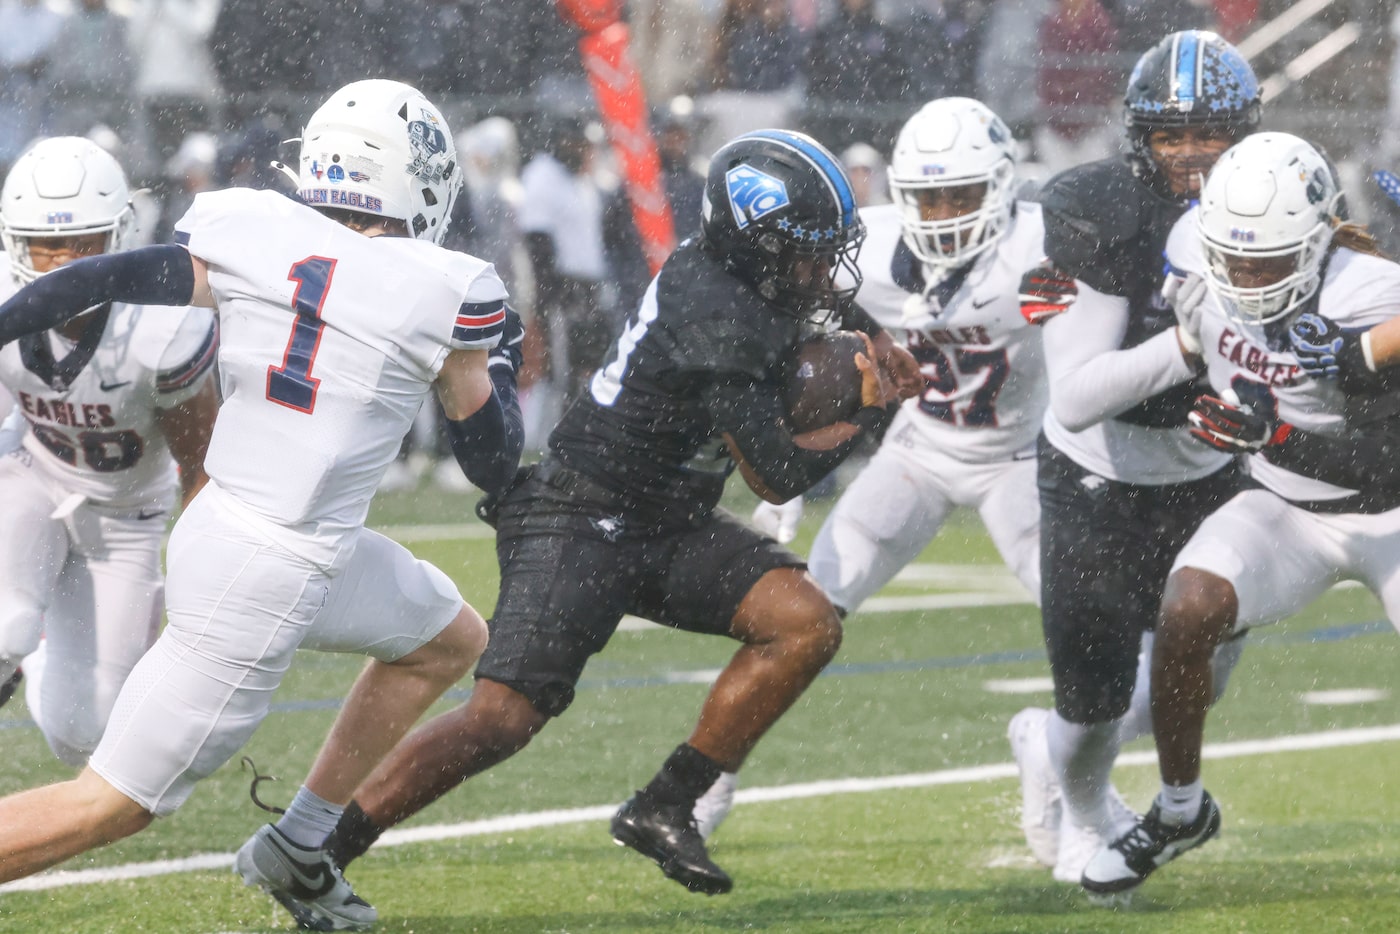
(515, 822)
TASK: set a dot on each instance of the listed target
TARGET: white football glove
(1186, 294)
(779, 521)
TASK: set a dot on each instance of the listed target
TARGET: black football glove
(1046, 291)
(510, 351)
(1236, 428)
(1324, 350)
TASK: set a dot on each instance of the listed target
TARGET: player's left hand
(903, 370)
(875, 389)
(779, 521)
(1320, 345)
(1235, 427)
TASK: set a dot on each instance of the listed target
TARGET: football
(821, 383)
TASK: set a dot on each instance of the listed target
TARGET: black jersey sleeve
(751, 413)
(1365, 458)
(1094, 215)
(856, 318)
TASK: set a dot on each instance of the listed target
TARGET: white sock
(309, 819)
(1083, 758)
(1180, 804)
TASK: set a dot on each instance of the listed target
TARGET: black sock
(354, 834)
(685, 775)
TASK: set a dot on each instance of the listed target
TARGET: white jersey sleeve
(186, 361)
(1092, 378)
(329, 343)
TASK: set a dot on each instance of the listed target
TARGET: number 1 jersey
(329, 343)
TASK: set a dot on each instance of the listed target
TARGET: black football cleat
(7, 690)
(666, 833)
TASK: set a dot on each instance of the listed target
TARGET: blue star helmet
(780, 214)
(1191, 78)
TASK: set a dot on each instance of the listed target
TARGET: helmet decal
(834, 175)
(753, 195)
(428, 144)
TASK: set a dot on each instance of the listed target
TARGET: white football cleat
(1041, 808)
(1079, 845)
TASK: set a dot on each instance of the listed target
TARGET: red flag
(617, 88)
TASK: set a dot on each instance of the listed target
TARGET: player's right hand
(1046, 291)
(779, 521)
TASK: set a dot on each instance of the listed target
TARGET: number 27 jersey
(329, 343)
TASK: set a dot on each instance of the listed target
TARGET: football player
(339, 313)
(622, 517)
(944, 264)
(111, 403)
(1269, 244)
(1117, 466)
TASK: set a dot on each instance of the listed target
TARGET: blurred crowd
(199, 94)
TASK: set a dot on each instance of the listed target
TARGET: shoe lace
(258, 779)
(1141, 839)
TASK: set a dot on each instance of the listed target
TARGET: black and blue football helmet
(773, 200)
(1190, 78)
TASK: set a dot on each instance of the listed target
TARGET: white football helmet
(1270, 195)
(379, 147)
(949, 142)
(65, 186)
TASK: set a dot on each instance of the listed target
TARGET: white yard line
(844, 786)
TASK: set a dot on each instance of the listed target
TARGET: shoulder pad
(1090, 211)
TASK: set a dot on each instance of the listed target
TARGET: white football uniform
(329, 343)
(84, 497)
(1282, 546)
(968, 439)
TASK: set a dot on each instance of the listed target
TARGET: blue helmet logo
(753, 195)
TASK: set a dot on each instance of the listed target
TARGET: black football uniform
(621, 516)
(1107, 544)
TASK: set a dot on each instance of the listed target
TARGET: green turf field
(1311, 839)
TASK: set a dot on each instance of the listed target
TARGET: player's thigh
(105, 614)
(562, 596)
(1375, 545)
(385, 604)
(33, 549)
(1100, 588)
(238, 607)
(1010, 509)
(888, 514)
(1277, 557)
(709, 571)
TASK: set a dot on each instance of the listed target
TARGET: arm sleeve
(752, 414)
(856, 318)
(487, 444)
(1090, 378)
(153, 275)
